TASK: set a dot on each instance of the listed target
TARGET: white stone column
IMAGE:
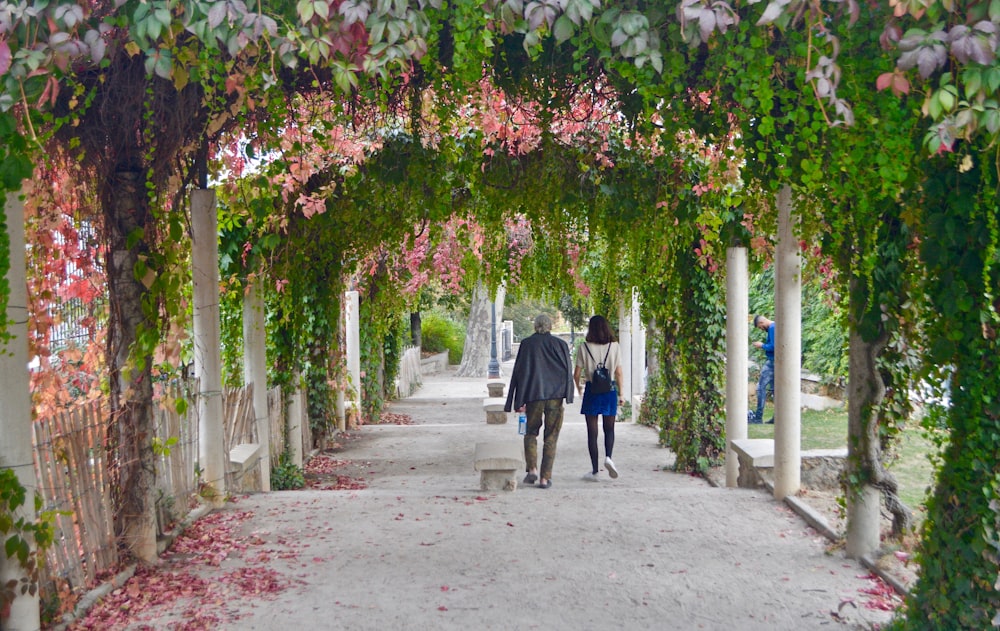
(638, 352)
(864, 515)
(255, 372)
(787, 352)
(737, 374)
(16, 447)
(207, 353)
(341, 408)
(352, 322)
(294, 423)
(625, 342)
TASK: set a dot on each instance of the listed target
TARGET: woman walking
(597, 359)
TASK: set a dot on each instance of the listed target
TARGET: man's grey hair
(543, 324)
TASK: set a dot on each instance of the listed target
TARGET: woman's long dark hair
(599, 331)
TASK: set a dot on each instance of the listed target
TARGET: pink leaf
(5, 57)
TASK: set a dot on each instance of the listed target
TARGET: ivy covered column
(16, 452)
(737, 374)
(960, 545)
(787, 352)
(255, 372)
(207, 353)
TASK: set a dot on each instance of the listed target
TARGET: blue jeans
(765, 383)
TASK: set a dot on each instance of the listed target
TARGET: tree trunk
(476, 354)
(866, 390)
(131, 432)
(416, 337)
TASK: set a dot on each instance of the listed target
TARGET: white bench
(753, 453)
(494, 410)
(820, 468)
(499, 462)
(243, 459)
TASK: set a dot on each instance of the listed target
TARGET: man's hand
(758, 344)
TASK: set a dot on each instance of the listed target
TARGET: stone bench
(821, 468)
(495, 388)
(244, 460)
(494, 410)
(499, 463)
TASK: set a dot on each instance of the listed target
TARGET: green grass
(828, 430)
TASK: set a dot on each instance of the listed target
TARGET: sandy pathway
(423, 548)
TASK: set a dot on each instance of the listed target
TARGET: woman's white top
(588, 365)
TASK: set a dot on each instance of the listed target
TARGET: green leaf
(563, 29)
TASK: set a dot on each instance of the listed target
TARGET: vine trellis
(587, 118)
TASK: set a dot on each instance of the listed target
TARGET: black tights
(609, 437)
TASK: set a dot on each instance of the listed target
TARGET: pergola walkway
(423, 548)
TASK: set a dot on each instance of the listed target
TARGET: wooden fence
(72, 468)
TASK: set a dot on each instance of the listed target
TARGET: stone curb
(818, 522)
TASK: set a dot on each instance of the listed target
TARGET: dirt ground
(401, 537)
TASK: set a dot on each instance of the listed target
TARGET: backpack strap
(587, 348)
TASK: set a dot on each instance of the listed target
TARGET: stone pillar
(16, 448)
(352, 322)
(207, 354)
(341, 408)
(787, 352)
(294, 423)
(625, 342)
(737, 374)
(638, 351)
(864, 523)
(255, 372)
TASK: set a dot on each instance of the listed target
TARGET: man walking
(766, 381)
(541, 379)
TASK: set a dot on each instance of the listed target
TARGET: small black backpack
(600, 381)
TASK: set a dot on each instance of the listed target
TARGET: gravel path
(422, 547)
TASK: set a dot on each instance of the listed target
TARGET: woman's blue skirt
(599, 404)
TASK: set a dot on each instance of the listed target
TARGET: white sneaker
(590, 476)
(610, 466)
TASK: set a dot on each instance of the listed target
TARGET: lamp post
(493, 371)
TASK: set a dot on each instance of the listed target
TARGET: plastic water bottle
(522, 424)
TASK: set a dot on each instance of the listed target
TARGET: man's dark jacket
(542, 371)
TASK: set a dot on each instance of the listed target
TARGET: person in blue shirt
(766, 381)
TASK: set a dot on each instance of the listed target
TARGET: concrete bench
(243, 465)
(499, 463)
(494, 410)
(495, 388)
(243, 457)
(821, 468)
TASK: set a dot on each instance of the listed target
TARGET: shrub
(286, 475)
(439, 333)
